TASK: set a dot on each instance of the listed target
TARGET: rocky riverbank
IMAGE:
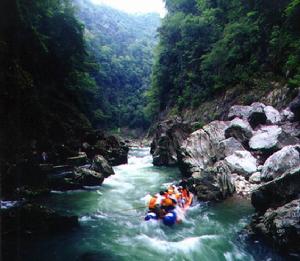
(254, 152)
(62, 168)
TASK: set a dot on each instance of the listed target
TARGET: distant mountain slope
(122, 45)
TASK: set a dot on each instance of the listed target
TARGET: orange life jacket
(152, 202)
(167, 202)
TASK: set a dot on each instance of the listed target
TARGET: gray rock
(87, 177)
(292, 128)
(228, 147)
(199, 150)
(273, 115)
(271, 137)
(280, 162)
(257, 115)
(295, 107)
(101, 165)
(240, 130)
(255, 178)
(168, 137)
(213, 183)
(287, 115)
(239, 111)
(281, 227)
(79, 160)
(242, 162)
(277, 192)
(242, 186)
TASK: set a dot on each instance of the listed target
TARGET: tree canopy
(208, 46)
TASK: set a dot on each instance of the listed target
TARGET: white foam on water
(6, 204)
(185, 246)
(91, 187)
(85, 218)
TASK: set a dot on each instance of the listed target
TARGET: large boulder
(271, 138)
(239, 111)
(77, 179)
(100, 165)
(79, 160)
(280, 226)
(228, 147)
(165, 153)
(112, 148)
(295, 107)
(213, 183)
(278, 191)
(240, 130)
(255, 178)
(242, 186)
(200, 149)
(257, 115)
(280, 162)
(32, 218)
(242, 162)
(287, 115)
(88, 177)
(167, 138)
(291, 128)
(273, 115)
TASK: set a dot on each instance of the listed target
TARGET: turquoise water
(112, 226)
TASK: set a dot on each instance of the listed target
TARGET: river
(112, 225)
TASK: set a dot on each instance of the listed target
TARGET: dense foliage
(122, 45)
(46, 88)
(60, 77)
(207, 46)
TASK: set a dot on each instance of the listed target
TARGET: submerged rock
(278, 191)
(280, 226)
(280, 162)
(242, 162)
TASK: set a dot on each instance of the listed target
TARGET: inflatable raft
(174, 216)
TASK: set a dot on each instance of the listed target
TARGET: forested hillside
(47, 92)
(61, 77)
(122, 45)
(209, 46)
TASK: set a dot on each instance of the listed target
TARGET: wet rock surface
(31, 219)
(278, 191)
(255, 155)
(168, 137)
(199, 151)
(280, 162)
(213, 183)
(280, 227)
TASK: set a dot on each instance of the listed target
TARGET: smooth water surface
(112, 225)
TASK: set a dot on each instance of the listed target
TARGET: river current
(112, 225)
